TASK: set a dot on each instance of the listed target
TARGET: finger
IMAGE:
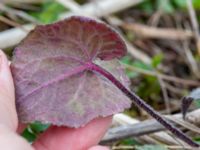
(8, 115)
(61, 138)
(98, 148)
(9, 140)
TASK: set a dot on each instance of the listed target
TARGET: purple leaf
(54, 80)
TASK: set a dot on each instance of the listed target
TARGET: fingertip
(5, 73)
(76, 139)
(4, 65)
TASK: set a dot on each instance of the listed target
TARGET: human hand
(55, 138)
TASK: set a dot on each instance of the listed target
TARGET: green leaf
(149, 88)
(141, 65)
(28, 135)
(50, 12)
(126, 59)
(197, 139)
(128, 141)
(156, 60)
(146, 6)
(197, 103)
(180, 3)
(151, 147)
(38, 127)
(196, 4)
(32, 131)
(129, 60)
(165, 5)
(183, 4)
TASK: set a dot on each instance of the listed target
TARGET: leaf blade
(52, 74)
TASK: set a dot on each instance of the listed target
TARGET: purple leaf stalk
(141, 104)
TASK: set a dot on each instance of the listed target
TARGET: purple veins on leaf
(53, 76)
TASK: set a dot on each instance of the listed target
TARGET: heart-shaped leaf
(53, 76)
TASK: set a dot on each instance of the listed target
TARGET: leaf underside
(52, 75)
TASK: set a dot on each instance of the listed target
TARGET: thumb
(9, 140)
(8, 115)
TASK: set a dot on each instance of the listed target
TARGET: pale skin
(55, 138)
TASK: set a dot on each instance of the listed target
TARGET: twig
(154, 19)
(136, 53)
(194, 22)
(185, 124)
(70, 4)
(144, 127)
(165, 95)
(127, 147)
(125, 131)
(163, 76)
(10, 22)
(21, 14)
(167, 139)
(155, 138)
(174, 89)
(122, 119)
(190, 59)
(25, 6)
(158, 33)
(12, 37)
(103, 7)
(22, 1)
